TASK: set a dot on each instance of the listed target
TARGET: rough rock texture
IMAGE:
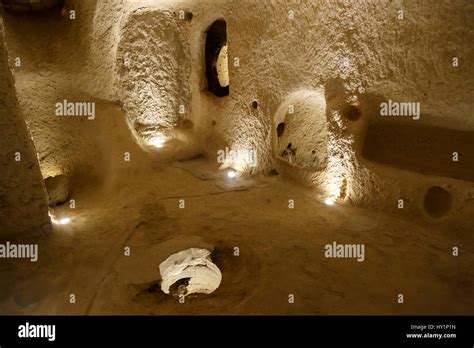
(222, 67)
(155, 64)
(352, 54)
(353, 49)
(23, 200)
(360, 53)
(188, 272)
(58, 189)
(303, 136)
(74, 65)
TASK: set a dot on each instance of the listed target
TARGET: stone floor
(281, 250)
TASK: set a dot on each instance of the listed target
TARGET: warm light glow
(231, 173)
(329, 201)
(240, 159)
(222, 67)
(62, 221)
(157, 142)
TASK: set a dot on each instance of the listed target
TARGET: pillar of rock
(23, 198)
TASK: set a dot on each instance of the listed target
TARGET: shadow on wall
(423, 149)
(403, 143)
(30, 5)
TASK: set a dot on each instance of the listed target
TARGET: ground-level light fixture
(62, 221)
(329, 201)
(231, 173)
(157, 142)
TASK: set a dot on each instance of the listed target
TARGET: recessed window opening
(217, 68)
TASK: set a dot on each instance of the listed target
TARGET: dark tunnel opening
(216, 48)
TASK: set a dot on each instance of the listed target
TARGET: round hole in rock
(190, 271)
(179, 288)
(273, 172)
(437, 201)
(280, 129)
(186, 124)
(353, 113)
(255, 104)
